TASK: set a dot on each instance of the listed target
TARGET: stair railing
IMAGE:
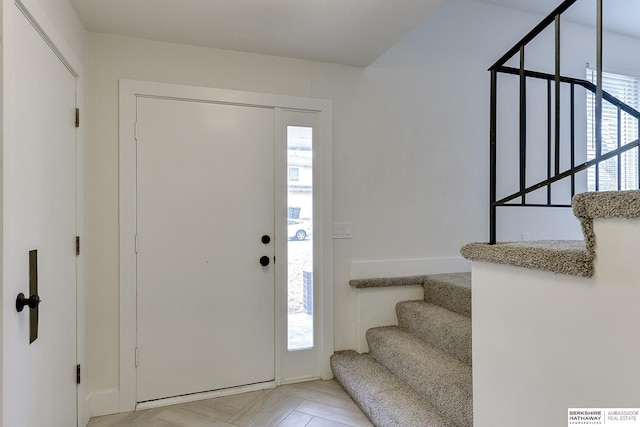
(554, 84)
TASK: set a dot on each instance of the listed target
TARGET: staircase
(419, 372)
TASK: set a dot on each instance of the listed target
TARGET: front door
(39, 207)
(205, 248)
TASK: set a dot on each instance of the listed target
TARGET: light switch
(342, 230)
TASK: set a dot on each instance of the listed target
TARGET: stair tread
(383, 397)
(456, 279)
(558, 256)
(439, 377)
(440, 327)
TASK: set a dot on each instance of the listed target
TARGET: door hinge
(77, 245)
(78, 378)
(136, 357)
(135, 131)
(137, 243)
(77, 117)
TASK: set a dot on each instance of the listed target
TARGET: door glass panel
(299, 233)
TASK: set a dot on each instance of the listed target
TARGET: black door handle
(264, 261)
(33, 301)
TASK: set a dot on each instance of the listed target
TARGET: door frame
(130, 90)
(52, 36)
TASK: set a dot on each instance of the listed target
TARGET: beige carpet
(562, 256)
(417, 374)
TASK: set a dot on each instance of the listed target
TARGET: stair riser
(441, 379)
(451, 291)
(383, 397)
(440, 327)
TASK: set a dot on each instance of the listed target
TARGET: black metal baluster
(523, 126)
(619, 137)
(548, 140)
(573, 138)
(557, 80)
(598, 92)
(492, 157)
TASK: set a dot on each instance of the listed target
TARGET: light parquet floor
(310, 404)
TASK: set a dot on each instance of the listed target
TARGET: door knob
(266, 239)
(264, 261)
(33, 301)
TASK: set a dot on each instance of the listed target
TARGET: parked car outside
(298, 230)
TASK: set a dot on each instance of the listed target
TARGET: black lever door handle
(264, 261)
(33, 301)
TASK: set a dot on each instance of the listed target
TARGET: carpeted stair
(419, 372)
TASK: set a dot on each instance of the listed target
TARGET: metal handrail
(554, 143)
(533, 33)
(591, 87)
(566, 174)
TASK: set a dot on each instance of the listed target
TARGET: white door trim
(323, 224)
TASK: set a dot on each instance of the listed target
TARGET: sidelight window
(299, 231)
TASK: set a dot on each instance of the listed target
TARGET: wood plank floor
(310, 404)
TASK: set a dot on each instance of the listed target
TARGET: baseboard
(159, 403)
(108, 402)
(104, 403)
(301, 380)
(408, 267)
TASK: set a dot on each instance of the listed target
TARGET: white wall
(66, 22)
(410, 146)
(544, 342)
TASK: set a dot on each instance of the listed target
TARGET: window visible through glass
(627, 90)
(300, 315)
(294, 174)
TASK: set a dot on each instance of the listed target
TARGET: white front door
(205, 219)
(39, 381)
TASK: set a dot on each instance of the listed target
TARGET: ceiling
(351, 32)
(620, 16)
